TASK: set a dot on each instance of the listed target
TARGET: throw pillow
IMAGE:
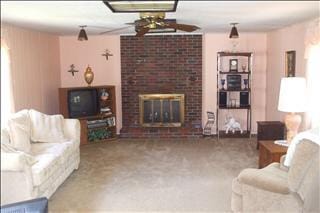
(19, 131)
(46, 128)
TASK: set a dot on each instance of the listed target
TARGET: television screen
(82, 102)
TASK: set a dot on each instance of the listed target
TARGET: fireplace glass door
(161, 110)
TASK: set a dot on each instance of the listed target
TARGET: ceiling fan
(156, 22)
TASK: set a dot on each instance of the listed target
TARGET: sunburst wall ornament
(107, 53)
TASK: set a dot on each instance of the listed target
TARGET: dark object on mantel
(270, 130)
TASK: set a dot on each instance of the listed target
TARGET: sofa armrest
(72, 129)
(282, 166)
(16, 177)
(16, 186)
(270, 179)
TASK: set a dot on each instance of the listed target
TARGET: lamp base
(292, 122)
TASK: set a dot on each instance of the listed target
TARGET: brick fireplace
(161, 64)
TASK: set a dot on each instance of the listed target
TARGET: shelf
(237, 134)
(243, 107)
(234, 90)
(101, 127)
(224, 72)
(247, 54)
(93, 117)
(107, 116)
(106, 101)
(238, 91)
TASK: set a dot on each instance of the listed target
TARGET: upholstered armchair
(277, 188)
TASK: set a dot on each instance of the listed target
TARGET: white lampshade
(292, 97)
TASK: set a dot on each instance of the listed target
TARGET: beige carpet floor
(155, 175)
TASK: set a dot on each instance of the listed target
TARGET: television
(83, 102)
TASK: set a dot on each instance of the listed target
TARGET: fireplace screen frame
(161, 97)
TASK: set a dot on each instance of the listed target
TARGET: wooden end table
(270, 152)
(270, 130)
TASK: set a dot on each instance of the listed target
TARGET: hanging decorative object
(234, 35)
(88, 75)
(72, 70)
(107, 53)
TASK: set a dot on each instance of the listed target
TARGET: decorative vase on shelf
(88, 75)
(223, 81)
(244, 67)
(245, 82)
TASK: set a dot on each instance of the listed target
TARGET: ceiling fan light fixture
(120, 6)
(82, 34)
(234, 32)
(160, 29)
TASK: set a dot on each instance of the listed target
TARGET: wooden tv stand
(99, 127)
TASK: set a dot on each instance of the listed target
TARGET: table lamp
(292, 99)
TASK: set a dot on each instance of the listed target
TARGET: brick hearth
(161, 64)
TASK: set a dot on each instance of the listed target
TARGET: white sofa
(39, 169)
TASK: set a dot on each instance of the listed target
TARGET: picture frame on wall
(290, 63)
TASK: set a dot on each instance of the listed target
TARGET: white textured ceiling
(64, 17)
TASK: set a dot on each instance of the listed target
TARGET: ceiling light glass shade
(82, 35)
(142, 6)
(234, 33)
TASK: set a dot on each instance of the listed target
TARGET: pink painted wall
(84, 53)
(35, 68)
(247, 42)
(89, 52)
(278, 42)
(39, 64)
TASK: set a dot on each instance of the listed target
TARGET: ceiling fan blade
(142, 23)
(117, 29)
(183, 27)
(142, 31)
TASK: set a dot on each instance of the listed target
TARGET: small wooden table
(270, 152)
(270, 130)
